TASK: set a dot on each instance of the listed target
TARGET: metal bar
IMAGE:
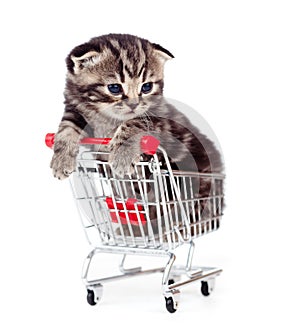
(169, 211)
(111, 192)
(167, 271)
(137, 212)
(190, 257)
(97, 214)
(204, 275)
(163, 204)
(124, 270)
(124, 276)
(156, 172)
(177, 192)
(131, 250)
(195, 174)
(144, 195)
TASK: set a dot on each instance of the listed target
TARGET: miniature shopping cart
(150, 213)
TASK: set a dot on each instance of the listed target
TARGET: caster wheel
(207, 287)
(173, 278)
(171, 282)
(94, 294)
(91, 297)
(172, 299)
(170, 305)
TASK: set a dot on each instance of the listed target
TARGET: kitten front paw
(123, 162)
(62, 165)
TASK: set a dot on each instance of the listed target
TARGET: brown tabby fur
(91, 109)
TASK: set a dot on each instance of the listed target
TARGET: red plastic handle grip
(95, 141)
(149, 144)
(49, 139)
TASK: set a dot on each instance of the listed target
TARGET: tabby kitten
(114, 89)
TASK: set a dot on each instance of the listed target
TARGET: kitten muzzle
(133, 103)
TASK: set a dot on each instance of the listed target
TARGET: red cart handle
(149, 144)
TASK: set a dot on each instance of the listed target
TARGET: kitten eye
(147, 87)
(115, 88)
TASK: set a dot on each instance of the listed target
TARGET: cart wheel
(170, 305)
(174, 278)
(171, 282)
(207, 287)
(91, 297)
(172, 298)
(94, 294)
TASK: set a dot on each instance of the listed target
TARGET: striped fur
(91, 109)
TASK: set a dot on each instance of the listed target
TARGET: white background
(237, 63)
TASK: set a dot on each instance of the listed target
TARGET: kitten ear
(82, 57)
(162, 53)
(87, 60)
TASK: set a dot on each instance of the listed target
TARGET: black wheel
(91, 297)
(205, 288)
(170, 305)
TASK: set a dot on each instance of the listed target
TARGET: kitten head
(116, 74)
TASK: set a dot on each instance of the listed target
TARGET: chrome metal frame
(178, 218)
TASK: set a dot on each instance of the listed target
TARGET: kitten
(114, 89)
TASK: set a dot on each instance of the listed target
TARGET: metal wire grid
(168, 208)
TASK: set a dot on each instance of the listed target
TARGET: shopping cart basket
(151, 212)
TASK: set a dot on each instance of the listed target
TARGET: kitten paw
(122, 163)
(62, 165)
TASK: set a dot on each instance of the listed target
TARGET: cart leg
(190, 271)
(95, 290)
(171, 295)
(87, 264)
(190, 257)
(166, 275)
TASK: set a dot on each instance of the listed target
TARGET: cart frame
(115, 209)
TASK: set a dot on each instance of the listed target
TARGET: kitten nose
(133, 103)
